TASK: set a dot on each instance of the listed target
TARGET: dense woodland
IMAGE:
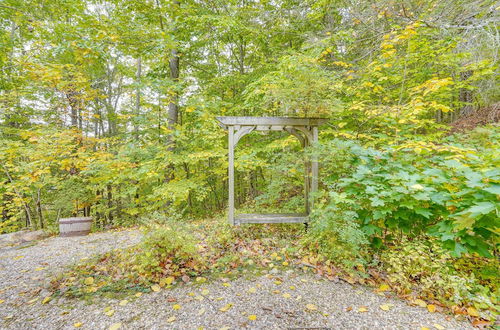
(107, 108)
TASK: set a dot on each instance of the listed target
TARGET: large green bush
(445, 190)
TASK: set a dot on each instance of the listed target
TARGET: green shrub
(336, 235)
(168, 251)
(418, 187)
(423, 268)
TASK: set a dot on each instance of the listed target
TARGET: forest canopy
(108, 109)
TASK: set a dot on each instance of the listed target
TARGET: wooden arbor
(304, 129)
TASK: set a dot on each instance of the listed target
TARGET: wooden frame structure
(304, 129)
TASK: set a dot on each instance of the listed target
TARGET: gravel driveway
(283, 300)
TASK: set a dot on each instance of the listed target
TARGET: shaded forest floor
(278, 299)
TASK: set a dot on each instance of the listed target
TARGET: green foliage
(445, 190)
(421, 267)
(336, 234)
(168, 251)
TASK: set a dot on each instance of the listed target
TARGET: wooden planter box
(78, 226)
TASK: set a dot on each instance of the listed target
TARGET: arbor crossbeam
(304, 129)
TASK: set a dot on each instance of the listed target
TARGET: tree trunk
(465, 97)
(137, 98)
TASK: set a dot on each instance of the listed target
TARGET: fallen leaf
(110, 312)
(252, 290)
(138, 294)
(472, 311)
(311, 307)
(362, 309)
(385, 307)
(191, 294)
(383, 288)
(201, 312)
(2, 301)
(420, 302)
(89, 281)
(39, 269)
(115, 326)
(431, 308)
(252, 317)
(285, 263)
(176, 307)
(46, 300)
(123, 302)
(348, 309)
(78, 324)
(438, 326)
(277, 282)
(201, 279)
(169, 280)
(226, 285)
(32, 301)
(18, 257)
(205, 292)
(226, 308)
(155, 288)
(292, 287)
(286, 295)
(171, 319)
(424, 328)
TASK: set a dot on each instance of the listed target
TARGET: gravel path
(283, 300)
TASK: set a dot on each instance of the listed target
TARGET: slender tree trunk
(137, 98)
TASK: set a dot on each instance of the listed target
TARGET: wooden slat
(269, 121)
(271, 218)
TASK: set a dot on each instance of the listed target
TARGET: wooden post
(315, 168)
(231, 174)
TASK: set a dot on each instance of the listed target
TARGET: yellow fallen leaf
(39, 269)
(420, 302)
(155, 288)
(169, 280)
(18, 257)
(226, 308)
(431, 308)
(362, 309)
(226, 285)
(46, 300)
(201, 279)
(2, 301)
(286, 295)
(171, 319)
(201, 312)
(277, 282)
(252, 290)
(311, 307)
(32, 301)
(285, 263)
(191, 294)
(89, 281)
(78, 324)
(385, 307)
(115, 326)
(205, 292)
(424, 328)
(138, 294)
(292, 287)
(252, 317)
(224, 328)
(438, 326)
(123, 302)
(176, 307)
(383, 287)
(472, 311)
(109, 312)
